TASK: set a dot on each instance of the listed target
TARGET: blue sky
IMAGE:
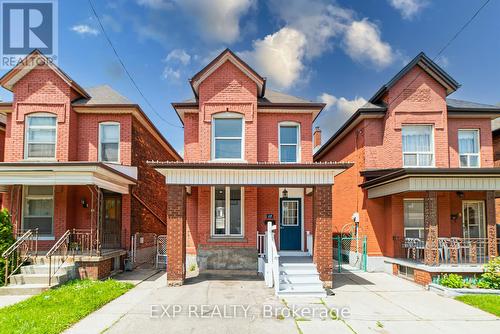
(338, 52)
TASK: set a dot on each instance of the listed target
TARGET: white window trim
(25, 197)
(99, 150)
(228, 115)
(228, 214)
(419, 229)
(298, 146)
(482, 228)
(478, 154)
(418, 153)
(26, 131)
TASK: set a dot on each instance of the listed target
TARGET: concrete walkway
(10, 300)
(371, 303)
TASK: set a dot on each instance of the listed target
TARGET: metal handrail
(16, 244)
(27, 241)
(71, 242)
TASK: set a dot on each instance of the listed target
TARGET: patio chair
(444, 248)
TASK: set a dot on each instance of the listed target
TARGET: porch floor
(441, 268)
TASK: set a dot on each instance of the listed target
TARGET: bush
(453, 281)
(6, 239)
(490, 279)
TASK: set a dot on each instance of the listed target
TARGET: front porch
(240, 215)
(439, 221)
(67, 217)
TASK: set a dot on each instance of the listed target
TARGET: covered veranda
(315, 178)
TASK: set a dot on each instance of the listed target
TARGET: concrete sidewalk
(378, 303)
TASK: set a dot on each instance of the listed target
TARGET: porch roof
(392, 181)
(111, 177)
(255, 174)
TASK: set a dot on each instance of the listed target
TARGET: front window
(109, 142)
(468, 148)
(289, 143)
(418, 146)
(40, 137)
(414, 218)
(227, 138)
(38, 209)
(227, 211)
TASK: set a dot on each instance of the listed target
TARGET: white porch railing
(309, 242)
(261, 244)
(272, 266)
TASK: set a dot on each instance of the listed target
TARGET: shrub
(490, 279)
(6, 239)
(453, 281)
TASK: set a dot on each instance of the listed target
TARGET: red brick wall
(2, 144)
(88, 136)
(151, 187)
(485, 139)
(496, 148)
(41, 90)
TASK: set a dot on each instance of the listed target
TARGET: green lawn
(488, 303)
(55, 310)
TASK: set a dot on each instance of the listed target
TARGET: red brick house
(74, 165)
(423, 180)
(247, 161)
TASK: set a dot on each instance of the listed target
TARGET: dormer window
(40, 141)
(227, 137)
(289, 148)
(418, 146)
(109, 142)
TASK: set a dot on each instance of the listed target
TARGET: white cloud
(218, 20)
(363, 43)
(337, 111)
(155, 4)
(85, 29)
(279, 56)
(312, 28)
(170, 73)
(179, 55)
(409, 8)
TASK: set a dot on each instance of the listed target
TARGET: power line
(125, 68)
(465, 25)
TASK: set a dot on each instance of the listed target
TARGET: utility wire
(126, 70)
(465, 25)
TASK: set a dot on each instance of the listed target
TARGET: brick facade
(42, 90)
(176, 236)
(376, 143)
(323, 243)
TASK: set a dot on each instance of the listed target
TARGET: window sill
(227, 239)
(229, 160)
(40, 160)
(46, 238)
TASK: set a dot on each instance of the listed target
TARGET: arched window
(227, 136)
(109, 142)
(41, 136)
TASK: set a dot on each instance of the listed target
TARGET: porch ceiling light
(285, 193)
(460, 194)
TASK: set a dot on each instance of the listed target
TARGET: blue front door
(290, 224)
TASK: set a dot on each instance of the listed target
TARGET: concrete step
(42, 260)
(296, 291)
(301, 279)
(58, 278)
(44, 269)
(298, 271)
(23, 289)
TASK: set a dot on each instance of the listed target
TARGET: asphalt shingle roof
(461, 104)
(271, 96)
(103, 94)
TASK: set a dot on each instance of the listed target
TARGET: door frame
(119, 197)
(300, 216)
(483, 207)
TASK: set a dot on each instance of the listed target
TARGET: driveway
(370, 302)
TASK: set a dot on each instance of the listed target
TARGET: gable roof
(30, 62)
(228, 55)
(429, 66)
